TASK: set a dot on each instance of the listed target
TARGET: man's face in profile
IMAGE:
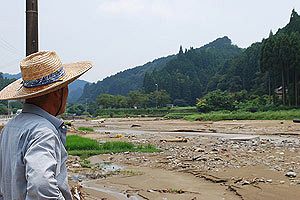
(64, 96)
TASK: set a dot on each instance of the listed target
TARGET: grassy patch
(177, 115)
(187, 109)
(144, 112)
(88, 129)
(242, 115)
(75, 142)
(85, 147)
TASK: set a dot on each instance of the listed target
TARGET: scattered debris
(77, 193)
(101, 120)
(199, 150)
(172, 191)
(174, 140)
(296, 120)
(213, 157)
(291, 174)
(188, 130)
(119, 136)
(135, 125)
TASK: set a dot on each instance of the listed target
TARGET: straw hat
(42, 73)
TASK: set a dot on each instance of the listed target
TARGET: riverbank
(240, 159)
(237, 115)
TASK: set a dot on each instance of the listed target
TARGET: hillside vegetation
(269, 67)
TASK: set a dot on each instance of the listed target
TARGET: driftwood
(135, 125)
(296, 120)
(174, 140)
(77, 192)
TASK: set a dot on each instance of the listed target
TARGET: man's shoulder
(30, 121)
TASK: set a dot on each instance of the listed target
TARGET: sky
(121, 34)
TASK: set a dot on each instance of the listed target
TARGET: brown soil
(218, 160)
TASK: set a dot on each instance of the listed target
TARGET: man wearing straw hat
(32, 153)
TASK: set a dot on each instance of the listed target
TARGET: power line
(6, 56)
(9, 47)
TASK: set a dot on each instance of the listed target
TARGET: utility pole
(86, 105)
(8, 111)
(32, 44)
(156, 95)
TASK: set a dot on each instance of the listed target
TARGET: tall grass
(242, 115)
(85, 147)
(75, 142)
(149, 112)
(178, 115)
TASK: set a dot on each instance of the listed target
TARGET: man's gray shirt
(33, 157)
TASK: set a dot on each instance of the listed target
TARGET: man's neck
(46, 107)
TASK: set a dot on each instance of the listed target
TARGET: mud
(247, 160)
(218, 160)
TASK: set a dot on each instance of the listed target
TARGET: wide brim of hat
(16, 90)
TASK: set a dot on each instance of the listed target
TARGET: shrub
(216, 100)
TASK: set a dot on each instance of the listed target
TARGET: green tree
(159, 98)
(76, 109)
(138, 99)
(216, 100)
(106, 100)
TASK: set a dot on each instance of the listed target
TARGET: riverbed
(216, 160)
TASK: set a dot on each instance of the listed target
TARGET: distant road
(4, 119)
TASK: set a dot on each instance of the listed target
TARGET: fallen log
(296, 120)
(174, 140)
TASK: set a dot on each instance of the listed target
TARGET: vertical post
(86, 105)
(8, 111)
(32, 45)
(156, 95)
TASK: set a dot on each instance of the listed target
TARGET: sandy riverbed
(220, 160)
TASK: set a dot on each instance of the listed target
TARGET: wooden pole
(32, 45)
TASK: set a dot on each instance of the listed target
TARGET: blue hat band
(51, 78)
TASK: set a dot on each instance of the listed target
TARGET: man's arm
(41, 159)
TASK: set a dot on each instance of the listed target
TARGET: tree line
(134, 99)
(280, 60)
(186, 77)
(269, 68)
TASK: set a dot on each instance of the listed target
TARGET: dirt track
(219, 160)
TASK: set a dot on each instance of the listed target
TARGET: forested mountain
(293, 25)
(240, 73)
(4, 81)
(125, 81)
(133, 79)
(263, 68)
(187, 76)
(76, 90)
(280, 60)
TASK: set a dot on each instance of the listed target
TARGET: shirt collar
(31, 108)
